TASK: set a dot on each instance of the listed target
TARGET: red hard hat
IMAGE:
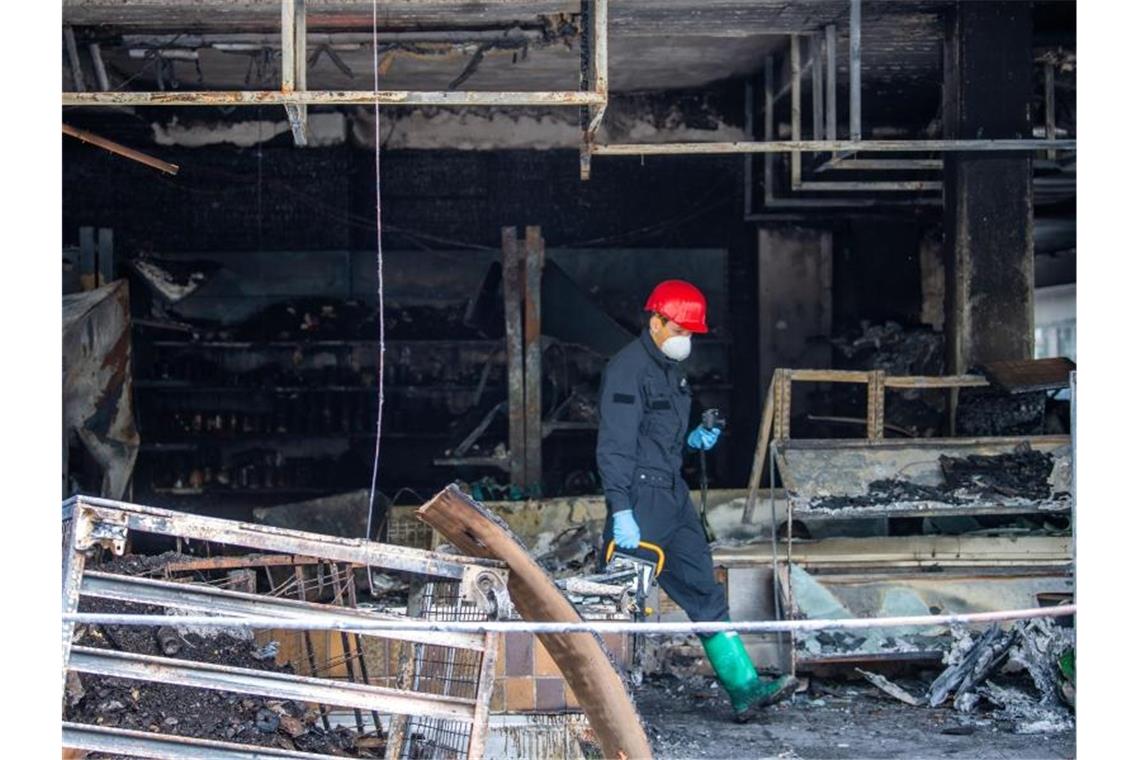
(681, 302)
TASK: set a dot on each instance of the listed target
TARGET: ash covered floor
(691, 719)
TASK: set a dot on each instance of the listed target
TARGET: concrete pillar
(988, 197)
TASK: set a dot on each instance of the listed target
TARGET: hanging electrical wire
(379, 283)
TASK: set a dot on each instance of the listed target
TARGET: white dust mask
(677, 347)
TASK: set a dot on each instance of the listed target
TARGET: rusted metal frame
(516, 388)
(876, 393)
(797, 109)
(477, 743)
(73, 59)
(1050, 109)
(125, 742)
(267, 538)
(74, 562)
(237, 563)
(855, 75)
(208, 599)
(294, 63)
(267, 683)
(788, 146)
(532, 374)
(100, 68)
(935, 381)
(120, 150)
(598, 74)
(455, 98)
(405, 673)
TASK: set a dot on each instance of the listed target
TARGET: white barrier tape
(317, 622)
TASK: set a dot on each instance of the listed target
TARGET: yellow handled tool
(612, 547)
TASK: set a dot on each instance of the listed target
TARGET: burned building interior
(291, 224)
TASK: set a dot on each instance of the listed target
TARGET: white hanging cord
(379, 281)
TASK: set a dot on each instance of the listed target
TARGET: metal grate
(445, 671)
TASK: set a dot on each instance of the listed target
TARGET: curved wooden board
(583, 660)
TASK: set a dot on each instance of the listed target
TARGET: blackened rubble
(1021, 474)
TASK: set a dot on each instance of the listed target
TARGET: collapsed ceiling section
(495, 45)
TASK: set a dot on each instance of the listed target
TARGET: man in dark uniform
(645, 406)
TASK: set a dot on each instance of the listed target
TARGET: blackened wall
(282, 198)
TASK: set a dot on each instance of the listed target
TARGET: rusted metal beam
(790, 146)
(120, 150)
(598, 77)
(293, 66)
(516, 387)
(457, 98)
(532, 375)
(267, 683)
(243, 561)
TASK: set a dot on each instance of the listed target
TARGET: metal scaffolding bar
(100, 68)
(516, 389)
(267, 538)
(790, 146)
(1050, 109)
(595, 41)
(856, 76)
(294, 65)
(816, 88)
(532, 357)
(267, 683)
(207, 599)
(122, 741)
(456, 98)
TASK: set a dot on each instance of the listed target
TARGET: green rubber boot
(747, 690)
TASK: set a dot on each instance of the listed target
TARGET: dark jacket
(644, 408)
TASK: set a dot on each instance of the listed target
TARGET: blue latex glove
(702, 438)
(626, 533)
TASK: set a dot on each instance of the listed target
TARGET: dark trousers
(665, 513)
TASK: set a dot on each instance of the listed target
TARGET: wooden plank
(532, 375)
(783, 405)
(875, 403)
(761, 454)
(583, 661)
(1026, 375)
(910, 551)
(516, 390)
(829, 375)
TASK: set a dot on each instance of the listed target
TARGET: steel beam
(532, 375)
(100, 68)
(266, 538)
(816, 88)
(454, 98)
(268, 683)
(855, 111)
(872, 187)
(125, 742)
(797, 109)
(207, 599)
(1050, 109)
(832, 104)
(598, 74)
(294, 63)
(516, 388)
(790, 146)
